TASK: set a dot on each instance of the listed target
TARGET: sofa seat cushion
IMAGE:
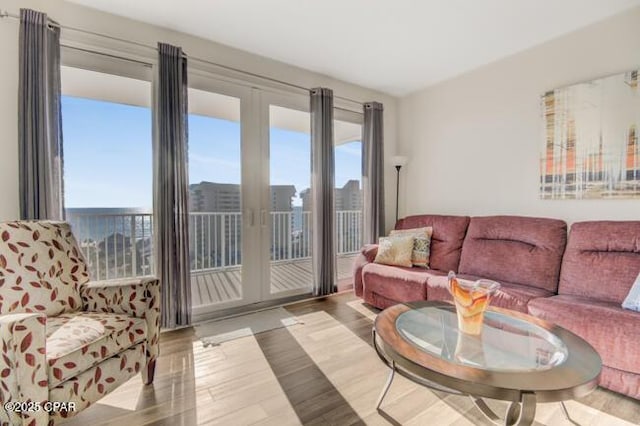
(509, 295)
(395, 283)
(76, 342)
(611, 330)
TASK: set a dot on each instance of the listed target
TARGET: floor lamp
(398, 162)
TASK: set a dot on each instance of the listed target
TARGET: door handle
(263, 218)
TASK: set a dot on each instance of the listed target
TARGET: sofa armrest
(369, 251)
(23, 368)
(367, 255)
(137, 297)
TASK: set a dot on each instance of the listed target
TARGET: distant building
(216, 240)
(305, 196)
(281, 196)
(226, 197)
(214, 197)
(349, 197)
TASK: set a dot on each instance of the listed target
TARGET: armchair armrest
(130, 296)
(137, 297)
(23, 367)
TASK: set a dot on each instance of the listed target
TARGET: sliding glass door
(219, 189)
(249, 168)
(348, 192)
(288, 227)
(215, 199)
(250, 205)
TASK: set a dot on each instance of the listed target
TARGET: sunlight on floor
(290, 375)
(245, 390)
(356, 372)
(125, 397)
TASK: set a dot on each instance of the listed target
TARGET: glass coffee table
(517, 358)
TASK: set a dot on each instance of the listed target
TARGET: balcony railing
(121, 245)
(115, 245)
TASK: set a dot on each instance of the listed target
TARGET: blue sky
(107, 154)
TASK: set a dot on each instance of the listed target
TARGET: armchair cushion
(77, 342)
(41, 268)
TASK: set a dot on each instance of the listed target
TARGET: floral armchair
(63, 338)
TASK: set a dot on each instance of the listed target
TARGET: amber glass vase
(471, 300)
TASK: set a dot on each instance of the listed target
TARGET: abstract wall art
(590, 147)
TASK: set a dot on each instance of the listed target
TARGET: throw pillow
(632, 301)
(395, 251)
(421, 244)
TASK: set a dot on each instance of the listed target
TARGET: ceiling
(394, 46)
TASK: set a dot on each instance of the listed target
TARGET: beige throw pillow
(421, 244)
(395, 251)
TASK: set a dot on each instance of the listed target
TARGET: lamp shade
(399, 160)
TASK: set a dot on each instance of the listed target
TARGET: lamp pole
(398, 162)
(398, 167)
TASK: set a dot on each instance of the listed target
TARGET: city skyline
(97, 173)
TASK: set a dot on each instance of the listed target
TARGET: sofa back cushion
(602, 260)
(520, 250)
(41, 268)
(446, 240)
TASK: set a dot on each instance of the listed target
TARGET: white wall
(80, 17)
(9, 207)
(474, 140)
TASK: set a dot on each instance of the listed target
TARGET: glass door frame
(347, 116)
(295, 101)
(249, 126)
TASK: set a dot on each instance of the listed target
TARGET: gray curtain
(373, 173)
(39, 118)
(322, 192)
(171, 186)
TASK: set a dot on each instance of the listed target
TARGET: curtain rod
(6, 14)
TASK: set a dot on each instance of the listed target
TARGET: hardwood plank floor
(320, 372)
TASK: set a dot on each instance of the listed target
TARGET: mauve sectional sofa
(579, 284)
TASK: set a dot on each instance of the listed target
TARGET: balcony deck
(222, 285)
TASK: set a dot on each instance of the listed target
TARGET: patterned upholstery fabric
(77, 342)
(139, 298)
(41, 268)
(23, 374)
(93, 384)
(62, 337)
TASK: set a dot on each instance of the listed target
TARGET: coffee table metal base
(519, 413)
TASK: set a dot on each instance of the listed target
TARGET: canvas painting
(590, 146)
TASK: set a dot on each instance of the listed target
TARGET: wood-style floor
(320, 372)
